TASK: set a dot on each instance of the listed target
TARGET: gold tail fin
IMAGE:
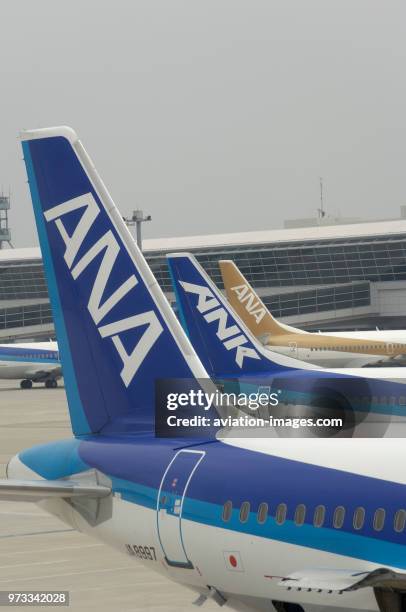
(248, 305)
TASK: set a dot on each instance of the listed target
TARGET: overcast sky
(213, 115)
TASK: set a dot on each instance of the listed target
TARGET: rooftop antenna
(320, 211)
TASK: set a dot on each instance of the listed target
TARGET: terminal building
(327, 277)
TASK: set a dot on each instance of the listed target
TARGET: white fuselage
(326, 357)
(261, 562)
(33, 361)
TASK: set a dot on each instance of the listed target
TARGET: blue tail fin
(116, 331)
(223, 343)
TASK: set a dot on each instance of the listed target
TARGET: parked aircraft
(35, 362)
(332, 349)
(251, 524)
(232, 355)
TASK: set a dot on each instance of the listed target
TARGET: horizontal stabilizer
(36, 490)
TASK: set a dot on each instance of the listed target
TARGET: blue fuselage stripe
(26, 359)
(329, 540)
(233, 473)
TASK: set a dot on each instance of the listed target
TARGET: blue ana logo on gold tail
(231, 337)
(110, 248)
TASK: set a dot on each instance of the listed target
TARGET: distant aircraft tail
(249, 306)
(116, 331)
(223, 343)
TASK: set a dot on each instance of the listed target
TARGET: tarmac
(39, 553)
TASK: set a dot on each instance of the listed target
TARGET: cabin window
(300, 515)
(319, 515)
(280, 516)
(262, 513)
(379, 519)
(400, 520)
(359, 518)
(227, 511)
(339, 516)
(244, 512)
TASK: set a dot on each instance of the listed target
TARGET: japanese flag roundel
(233, 560)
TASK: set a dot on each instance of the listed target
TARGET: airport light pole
(137, 219)
(321, 211)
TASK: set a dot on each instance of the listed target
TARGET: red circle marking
(233, 561)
